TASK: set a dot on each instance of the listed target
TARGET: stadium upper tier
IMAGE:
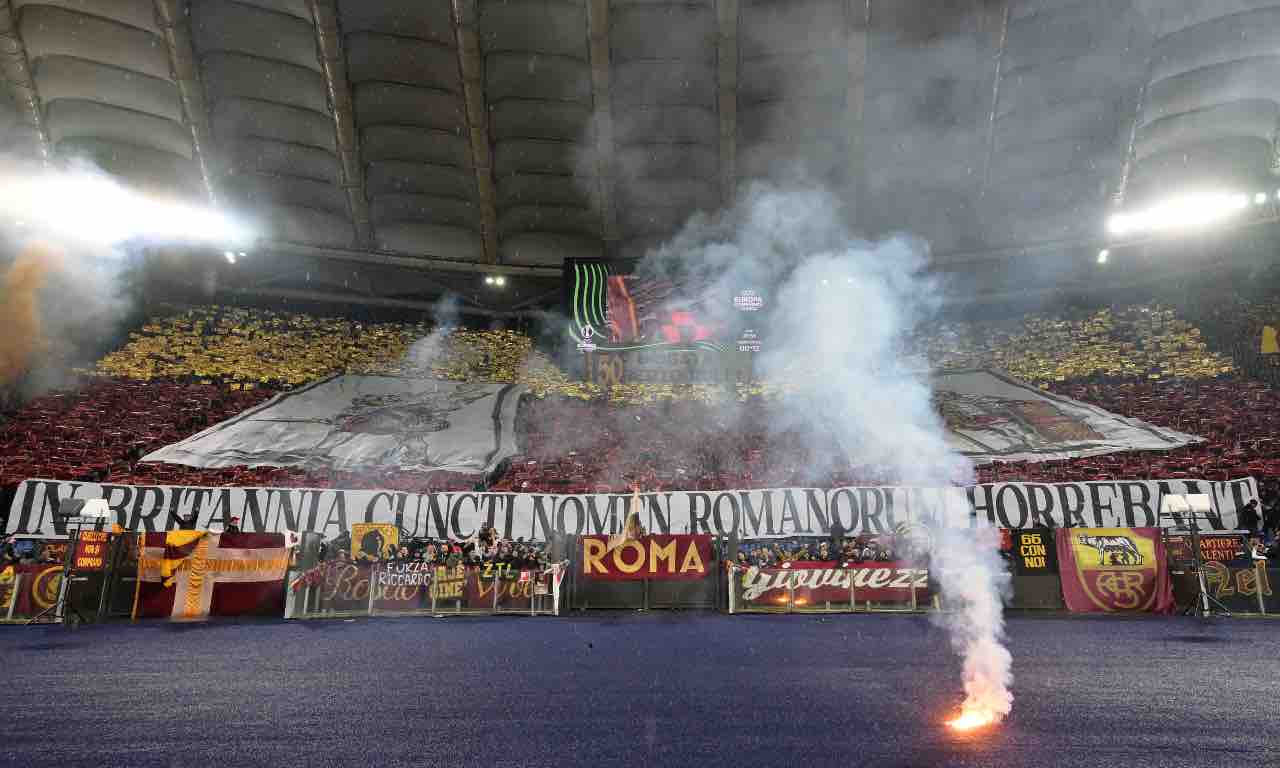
(263, 348)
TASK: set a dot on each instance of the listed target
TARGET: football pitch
(630, 689)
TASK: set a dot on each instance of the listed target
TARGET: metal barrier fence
(884, 588)
(1242, 587)
(345, 589)
(77, 590)
(589, 593)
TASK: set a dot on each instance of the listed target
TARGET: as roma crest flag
(211, 574)
(1114, 569)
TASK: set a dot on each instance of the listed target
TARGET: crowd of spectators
(778, 553)
(1148, 341)
(100, 431)
(30, 552)
(249, 348)
(486, 547)
(183, 372)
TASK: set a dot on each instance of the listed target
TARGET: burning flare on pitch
(974, 580)
(971, 718)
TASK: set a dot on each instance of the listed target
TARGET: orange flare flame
(971, 718)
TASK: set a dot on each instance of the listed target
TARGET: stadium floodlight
(93, 208)
(1103, 255)
(1187, 212)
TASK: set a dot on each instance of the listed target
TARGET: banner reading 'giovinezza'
(764, 513)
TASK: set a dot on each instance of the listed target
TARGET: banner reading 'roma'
(1114, 569)
(648, 557)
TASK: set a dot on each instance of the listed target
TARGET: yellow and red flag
(1114, 570)
(194, 574)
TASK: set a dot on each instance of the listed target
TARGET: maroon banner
(407, 586)
(38, 585)
(401, 586)
(657, 557)
(819, 582)
(514, 588)
(1114, 570)
(1214, 547)
(193, 574)
(343, 586)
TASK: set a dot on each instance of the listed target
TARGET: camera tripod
(1204, 604)
(63, 610)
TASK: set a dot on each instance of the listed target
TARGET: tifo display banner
(810, 583)
(37, 584)
(1034, 551)
(374, 541)
(1214, 547)
(1114, 569)
(364, 422)
(647, 557)
(774, 513)
(194, 574)
(992, 417)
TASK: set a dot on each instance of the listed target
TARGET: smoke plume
(837, 318)
(62, 307)
(20, 315)
(974, 581)
(75, 232)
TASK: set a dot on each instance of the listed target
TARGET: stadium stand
(183, 372)
(1146, 340)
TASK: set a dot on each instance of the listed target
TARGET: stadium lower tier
(197, 574)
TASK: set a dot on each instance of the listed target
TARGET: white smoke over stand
(838, 316)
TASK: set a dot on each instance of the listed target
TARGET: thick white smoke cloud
(67, 264)
(839, 313)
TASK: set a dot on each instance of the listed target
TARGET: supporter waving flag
(195, 574)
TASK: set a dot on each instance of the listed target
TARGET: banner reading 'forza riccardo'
(762, 513)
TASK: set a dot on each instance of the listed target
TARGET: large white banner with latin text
(765, 513)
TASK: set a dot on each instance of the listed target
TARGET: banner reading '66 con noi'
(647, 557)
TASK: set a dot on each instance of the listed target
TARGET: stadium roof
(386, 138)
